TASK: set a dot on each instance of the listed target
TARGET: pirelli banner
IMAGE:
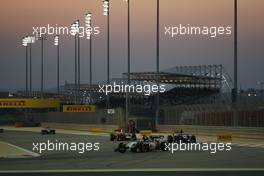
(29, 103)
(79, 108)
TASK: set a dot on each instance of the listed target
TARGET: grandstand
(183, 84)
(186, 84)
(199, 95)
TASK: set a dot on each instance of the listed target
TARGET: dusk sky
(18, 18)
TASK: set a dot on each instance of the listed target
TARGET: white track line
(249, 145)
(137, 170)
(61, 131)
(20, 148)
(241, 144)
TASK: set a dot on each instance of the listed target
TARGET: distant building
(4, 94)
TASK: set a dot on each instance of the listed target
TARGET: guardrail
(237, 132)
(81, 127)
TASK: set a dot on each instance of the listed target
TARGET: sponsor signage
(145, 132)
(29, 103)
(110, 111)
(224, 137)
(79, 108)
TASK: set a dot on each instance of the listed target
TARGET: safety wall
(213, 115)
(99, 117)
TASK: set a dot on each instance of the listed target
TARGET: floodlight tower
(234, 92)
(157, 68)
(25, 44)
(42, 37)
(57, 44)
(261, 84)
(88, 25)
(235, 88)
(128, 62)
(75, 32)
(106, 9)
(31, 40)
(75, 29)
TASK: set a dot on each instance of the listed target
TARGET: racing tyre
(122, 148)
(134, 137)
(134, 149)
(163, 146)
(138, 148)
(146, 148)
(112, 137)
(143, 147)
(170, 139)
(193, 139)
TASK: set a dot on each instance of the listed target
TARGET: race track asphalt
(113, 163)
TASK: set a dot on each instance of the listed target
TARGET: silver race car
(146, 144)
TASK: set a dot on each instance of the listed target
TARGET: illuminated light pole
(75, 27)
(57, 44)
(75, 31)
(106, 8)
(234, 91)
(31, 40)
(25, 44)
(261, 84)
(88, 25)
(157, 67)
(128, 62)
(78, 58)
(25, 41)
(42, 38)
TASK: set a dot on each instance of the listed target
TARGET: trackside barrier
(97, 130)
(145, 132)
(237, 132)
(82, 127)
(224, 137)
(18, 124)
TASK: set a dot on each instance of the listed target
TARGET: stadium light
(75, 30)
(56, 43)
(261, 84)
(25, 41)
(56, 40)
(42, 37)
(31, 40)
(157, 69)
(106, 12)
(235, 89)
(106, 7)
(88, 25)
(25, 44)
(128, 62)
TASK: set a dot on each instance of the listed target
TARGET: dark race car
(1, 130)
(48, 131)
(154, 137)
(181, 137)
(119, 135)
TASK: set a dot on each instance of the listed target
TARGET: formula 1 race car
(145, 145)
(48, 131)
(154, 137)
(181, 137)
(119, 135)
(1, 130)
